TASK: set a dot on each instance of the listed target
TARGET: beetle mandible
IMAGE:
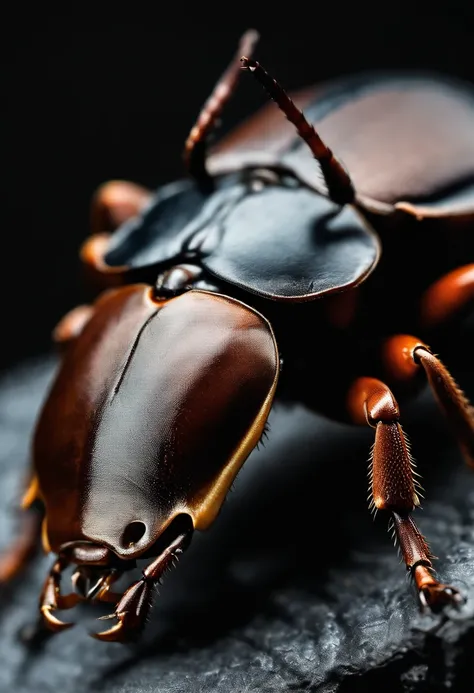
(212, 284)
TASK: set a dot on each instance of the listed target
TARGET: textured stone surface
(294, 588)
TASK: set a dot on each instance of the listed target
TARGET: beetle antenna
(338, 181)
(195, 148)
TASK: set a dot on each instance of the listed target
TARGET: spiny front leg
(134, 606)
(393, 485)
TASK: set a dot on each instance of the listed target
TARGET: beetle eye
(261, 178)
(133, 533)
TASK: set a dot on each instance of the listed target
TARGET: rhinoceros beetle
(272, 270)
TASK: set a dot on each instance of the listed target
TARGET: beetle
(273, 270)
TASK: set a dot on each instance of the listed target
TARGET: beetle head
(155, 408)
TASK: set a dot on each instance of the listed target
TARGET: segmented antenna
(339, 184)
(195, 148)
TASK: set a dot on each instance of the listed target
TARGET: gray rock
(294, 588)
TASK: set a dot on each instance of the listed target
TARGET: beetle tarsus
(432, 595)
(52, 621)
(116, 633)
(435, 597)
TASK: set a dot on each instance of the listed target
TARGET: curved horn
(339, 185)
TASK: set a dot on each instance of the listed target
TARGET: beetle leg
(393, 486)
(448, 296)
(51, 598)
(19, 553)
(72, 324)
(404, 357)
(116, 201)
(134, 606)
(25, 545)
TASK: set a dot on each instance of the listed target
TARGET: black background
(86, 102)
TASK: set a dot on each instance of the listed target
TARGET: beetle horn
(195, 146)
(338, 181)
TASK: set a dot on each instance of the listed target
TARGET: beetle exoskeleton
(167, 380)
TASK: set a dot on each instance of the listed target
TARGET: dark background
(116, 100)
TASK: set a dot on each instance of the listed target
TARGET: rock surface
(294, 588)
